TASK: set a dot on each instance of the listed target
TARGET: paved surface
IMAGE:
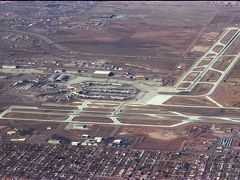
(118, 112)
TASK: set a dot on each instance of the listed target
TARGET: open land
(166, 99)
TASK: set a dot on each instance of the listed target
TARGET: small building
(98, 139)
(54, 141)
(117, 141)
(139, 77)
(104, 74)
(9, 67)
(79, 126)
(74, 143)
(84, 143)
(62, 77)
(11, 132)
(85, 136)
(58, 71)
(53, 77)
(19, 139)
(49, 128)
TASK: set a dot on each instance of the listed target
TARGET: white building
(9, 67)
(103, 73)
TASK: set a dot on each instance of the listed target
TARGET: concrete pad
(159, 99)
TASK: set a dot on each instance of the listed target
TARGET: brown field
(142, 111)
(184, 85)
(92, 119)
(58, 107)
(164, 30)
(208, 112)
(205, 61)
(35, 116)
(228, 36)
(107, 106)
(228, 92)
(149, 122)
(143, 107)
(234, 49)
(223, 63)
(99, 109)
(198, 69)
(110, 104)
(41, 111)
(105, 131)
(156, 138)
(196, 101)
(191, 76)
(201, 88)
(217, 48)
(211, 76)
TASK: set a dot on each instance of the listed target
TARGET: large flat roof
(102, 72)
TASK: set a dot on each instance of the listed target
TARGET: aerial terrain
(119, 90)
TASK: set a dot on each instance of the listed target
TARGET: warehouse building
(103, 74)
(9, 67)
(54, 77)
(62, 78)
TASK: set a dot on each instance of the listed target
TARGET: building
(85, 136)
(54, 141)
(74, 143)
(62, 77)
(79, 126)
(53, 77)
(139, 77)
(104, 74)
(98, 139)
(19, 139)
(117, 141)
(9, 67)
(11, 132)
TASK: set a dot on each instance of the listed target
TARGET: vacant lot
(35, 116)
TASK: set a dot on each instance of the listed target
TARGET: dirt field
(92, 119)
(148, 122)
(234, 49)
(35, 116)
(156, 138)
(228, 36)
(41, 111)
(205, 61)
(201, 89)
(184, 85)
(228, 95)
(223, 63)
(217, 48)
(99, 109)
(210, 76)
(198, 69)
(196, 101)
(191, 76)
(58, 107)
(145, 111)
